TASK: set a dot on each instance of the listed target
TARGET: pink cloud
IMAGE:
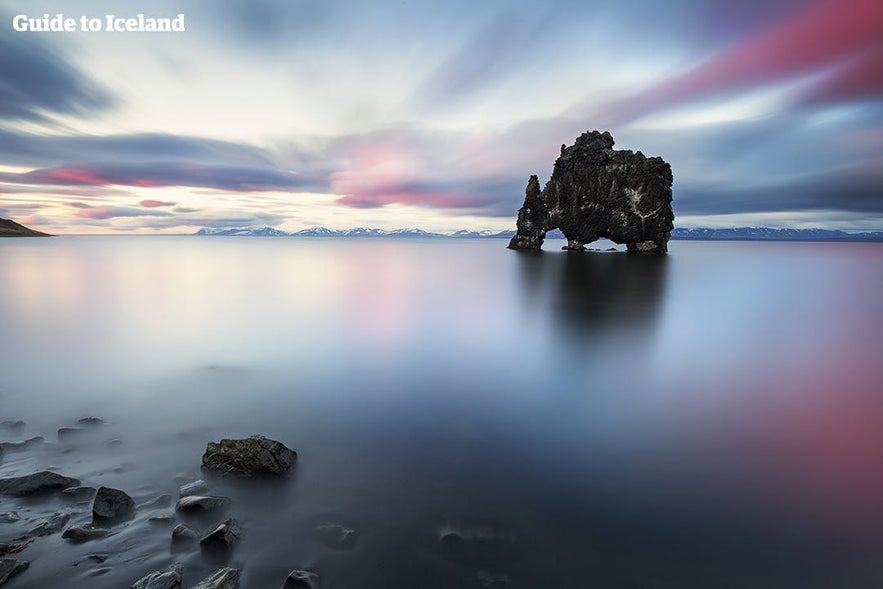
(156, 203)
(827, 34)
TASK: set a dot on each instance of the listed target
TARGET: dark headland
(9, 228)
(597, 192)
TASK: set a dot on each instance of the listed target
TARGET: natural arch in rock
(597, 192)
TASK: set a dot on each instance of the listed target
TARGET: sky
(406, 113)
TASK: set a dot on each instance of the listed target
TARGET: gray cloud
(34, 80)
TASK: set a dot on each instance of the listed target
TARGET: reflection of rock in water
(594, 292)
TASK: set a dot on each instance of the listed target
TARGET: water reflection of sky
(721, 403)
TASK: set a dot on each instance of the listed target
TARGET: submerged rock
(183, 533)
(66, 433)
(84, 532)
(168, 579)
(225, 535)
(10, 567)
(199, 487)
(22, 444)
(199, 503)
(225, 578)
(248, 457)
(51, 525)
(79, 493)
(13, 425)
(9, 517)
(90, 421)
(14, 547)
(597, 192)
(39, 482)
(298, 579)
(112, 504)
(336, 536)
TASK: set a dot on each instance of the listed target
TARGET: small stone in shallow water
(248, 457)
(199, 487)
(112, 504)
(298, 579)
(38, 482)
(97, 557)
(90, 421)
(183, 533)
(79, 493)
(336, 536)
(51, 525)
(225, 535)
(9, 567)
(225, 578)
(23, 444)
(163, 518)
(14, 547)
(200, 503)
(84, 532)
(9, 517)
(66, 433)
(168, 579)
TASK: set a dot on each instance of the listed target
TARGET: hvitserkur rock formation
(597, 192)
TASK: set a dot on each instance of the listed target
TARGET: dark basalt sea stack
(596, 191)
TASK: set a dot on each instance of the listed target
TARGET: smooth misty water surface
(710, 419)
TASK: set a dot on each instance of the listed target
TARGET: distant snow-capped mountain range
(702, 234)
(357, 232)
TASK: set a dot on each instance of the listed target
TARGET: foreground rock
(223, 536)
(226, 578)
(14, 547)
(84, 533)
(198, 503)
(112, 504)
(597, 192)
(168, 579)
(248, 457)
(39, 482)
(9, 567)
(298, 579)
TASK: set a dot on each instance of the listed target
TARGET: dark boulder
(597, 192)
(225, 578)
(39, 482)
(112, 504)
(10, 567)
(248, 457)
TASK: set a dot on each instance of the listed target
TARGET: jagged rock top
(248, 457)
(596, 191)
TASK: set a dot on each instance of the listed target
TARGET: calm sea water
(710, 419)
